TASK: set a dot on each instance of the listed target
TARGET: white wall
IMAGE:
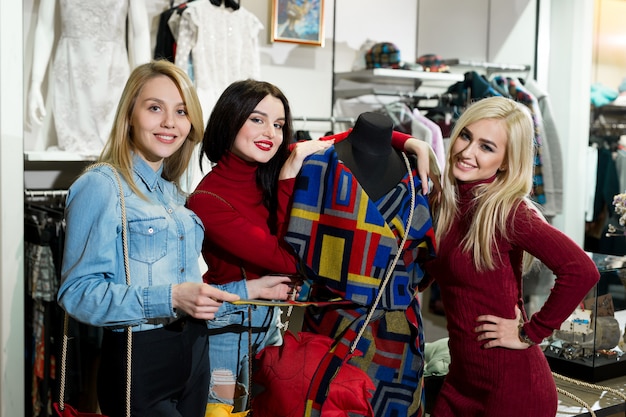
(569, 78)
(11, 213)
(512, 32)
(462, 34)
(609, 58)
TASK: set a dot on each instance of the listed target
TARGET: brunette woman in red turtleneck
(486, 228)
(243, 203)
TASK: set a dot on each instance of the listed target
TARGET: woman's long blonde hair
(117, 150)
(493, 201)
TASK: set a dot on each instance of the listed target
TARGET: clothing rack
(233, 4)
(414, 98)
(332, 120)
(608, 129)
(489, 67)
(44, 234)
(34, 194)
(413, 95)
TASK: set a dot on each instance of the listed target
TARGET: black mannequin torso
(368, 153)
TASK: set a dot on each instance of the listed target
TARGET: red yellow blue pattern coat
(346, 241)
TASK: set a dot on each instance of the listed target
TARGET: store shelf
(397, 76)
(604, 403)
(487, 66)
(357, 91)
(390, 82)
(57, 156)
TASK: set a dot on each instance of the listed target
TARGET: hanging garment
(222, 44)
(553, 141)
(437, 137)
(165, 47)
(346, 241)
(475, 87)
(521, 95)
(89, 72)
(43, 245)
(215, 45)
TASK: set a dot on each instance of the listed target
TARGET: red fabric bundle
(286, 371)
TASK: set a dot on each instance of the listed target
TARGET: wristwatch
(523, 337)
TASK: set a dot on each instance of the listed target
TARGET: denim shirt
(165, 239)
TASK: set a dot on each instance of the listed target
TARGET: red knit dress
(500, 382)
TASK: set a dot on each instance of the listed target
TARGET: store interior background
(555, 37)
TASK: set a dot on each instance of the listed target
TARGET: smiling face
(261, 135)
(159, 121)
(480, 150)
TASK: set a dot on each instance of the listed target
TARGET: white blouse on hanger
(216, 46)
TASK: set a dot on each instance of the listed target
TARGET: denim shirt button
(181, 237)
(150, 230)
(170, 211)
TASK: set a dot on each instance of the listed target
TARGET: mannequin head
(372, 134)
(368, 153)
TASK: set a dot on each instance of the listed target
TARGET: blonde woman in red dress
(486, 227)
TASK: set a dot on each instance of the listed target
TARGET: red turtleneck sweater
(236, 223)
(499, 381)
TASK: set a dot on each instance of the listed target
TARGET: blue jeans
(230, 350)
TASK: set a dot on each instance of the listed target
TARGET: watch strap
(523, 337)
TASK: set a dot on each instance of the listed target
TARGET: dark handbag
(309, 375)
(62, 409)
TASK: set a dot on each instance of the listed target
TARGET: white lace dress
(90, 69)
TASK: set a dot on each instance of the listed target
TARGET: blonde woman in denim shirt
(157, 124)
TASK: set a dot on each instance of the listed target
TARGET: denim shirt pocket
(198, 231)
(148, 239)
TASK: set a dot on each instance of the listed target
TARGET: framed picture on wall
(298, 21)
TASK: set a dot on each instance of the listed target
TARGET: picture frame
(298, 21)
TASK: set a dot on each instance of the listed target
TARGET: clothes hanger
(232, 4)
(182, 4)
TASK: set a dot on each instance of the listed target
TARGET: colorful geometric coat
(346, 241)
